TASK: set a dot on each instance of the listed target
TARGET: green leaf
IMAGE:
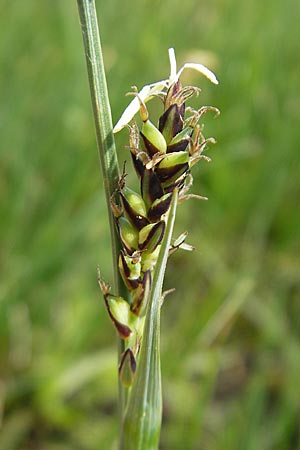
(144, 412)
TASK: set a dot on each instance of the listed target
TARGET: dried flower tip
(198, 114)
(134, 135)
(105, 288)
(155, 160)
(184, 94)
(165, 294)
(188, 196)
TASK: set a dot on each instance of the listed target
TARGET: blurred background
(230, 332)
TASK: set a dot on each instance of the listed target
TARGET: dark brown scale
(124, 330)
(176, 184)
(155, 212)
(149, 147)
(137, 220)
(138, 165)
(130, 283)
(129, 250)
(151, 187)
(137, 305)
(178, 147)
(172, 91)
(166, 173)
(159, 229)
(170, 123)
(126, 354)
(124, 264)
(182, 110)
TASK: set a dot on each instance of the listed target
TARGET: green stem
(101, 107)
(104, 134)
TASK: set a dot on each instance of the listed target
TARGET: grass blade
(144, 412)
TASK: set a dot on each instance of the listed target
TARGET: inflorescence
(163, 157)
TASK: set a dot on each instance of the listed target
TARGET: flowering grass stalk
(105, 139)
(142, 223)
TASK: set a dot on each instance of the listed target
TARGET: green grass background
(230, 332)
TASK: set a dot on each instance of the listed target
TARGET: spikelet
(162, 157)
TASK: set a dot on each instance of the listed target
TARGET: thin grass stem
(105, 139)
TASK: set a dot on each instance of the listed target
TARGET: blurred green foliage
(230, 337)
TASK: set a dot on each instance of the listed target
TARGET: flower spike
(163, 156)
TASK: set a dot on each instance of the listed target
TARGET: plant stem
(101, 106)
(104, 134)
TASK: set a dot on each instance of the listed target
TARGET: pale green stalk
(101, 107)
(144, 412)
(104, 134)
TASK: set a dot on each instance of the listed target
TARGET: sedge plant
(142, 222)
